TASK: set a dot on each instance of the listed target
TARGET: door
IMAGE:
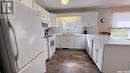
(25, 34)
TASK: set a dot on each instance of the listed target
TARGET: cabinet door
(100, 56)
(28, 3)
(46, 16)
(98, 52)
(92, 22)
(58, 41)
(83, 42)
(64, 42)
(72, 42)
(43, 15)
(83, 20)
(37, 7)
(91, 19)
(95, 54)
(78, 42)
(37, 66)
(52, 20)
(90, 45)
(95, 51)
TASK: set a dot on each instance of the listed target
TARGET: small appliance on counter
(46, 33)
(85, 30)
(45, 30)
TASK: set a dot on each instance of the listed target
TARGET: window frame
(124, 28)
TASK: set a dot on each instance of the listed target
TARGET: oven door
(52, 43)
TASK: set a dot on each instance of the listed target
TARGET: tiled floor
(71, 61)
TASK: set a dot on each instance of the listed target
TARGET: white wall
(103, 13)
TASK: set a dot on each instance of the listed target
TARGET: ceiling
(77, 4)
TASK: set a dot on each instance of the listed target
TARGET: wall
(107, 13)
(103, 13)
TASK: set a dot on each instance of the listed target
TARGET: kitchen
(66, 36)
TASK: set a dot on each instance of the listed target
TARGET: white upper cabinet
(45, 15)
(28, 3)
(89, 19)
(53, 20)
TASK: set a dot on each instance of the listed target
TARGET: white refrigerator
(22, 40)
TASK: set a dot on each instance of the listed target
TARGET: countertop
(107, 40)
(70, 34)
(112, 41)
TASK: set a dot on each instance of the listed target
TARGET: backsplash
(58, 30)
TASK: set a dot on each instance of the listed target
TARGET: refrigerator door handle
(17, 54)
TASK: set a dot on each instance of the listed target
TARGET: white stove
(51, 46)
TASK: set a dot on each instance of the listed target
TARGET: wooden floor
(71, 61)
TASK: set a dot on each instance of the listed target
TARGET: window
(121, 25)
(68, 25)
(69, 22)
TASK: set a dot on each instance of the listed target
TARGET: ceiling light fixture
(64, 2)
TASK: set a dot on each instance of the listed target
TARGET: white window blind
(121, 20)
(121, 25)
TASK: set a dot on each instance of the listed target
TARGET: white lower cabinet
(78, 42)
(64, 42)
(110, 57)
(71, 41)
(38, 65)
(89, 45)
(58, 43)
(97, 55)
